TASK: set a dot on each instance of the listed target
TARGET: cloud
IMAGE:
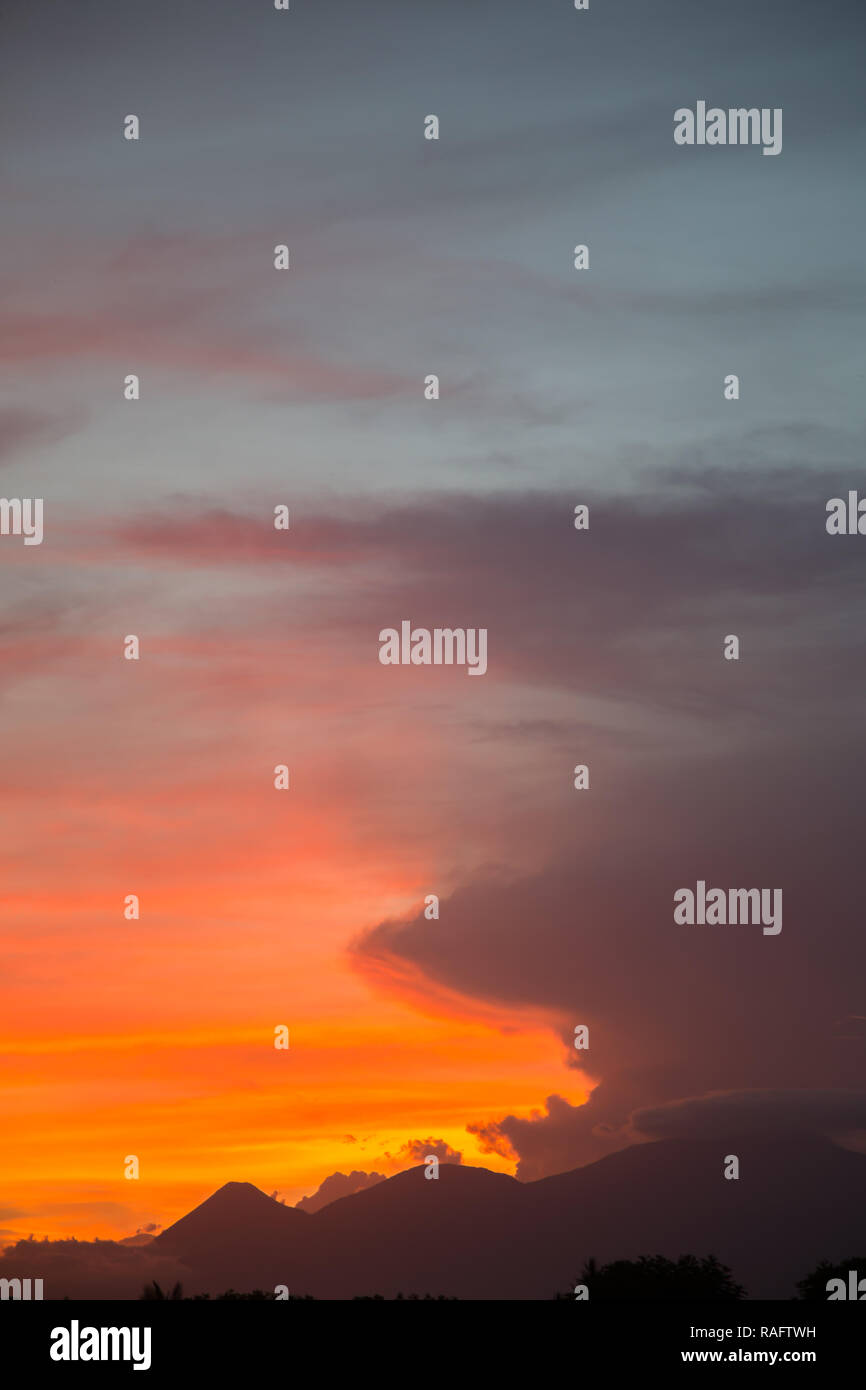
(20, 429)
(144, 1235)
(418, 1150)
(544, 1143)
(182, 306)
(726, 1113)
(672, 1011)
(89, 1269)
(728, 772)
(161, 340)
(639, 594)
(338, 1185)
(555, 1140)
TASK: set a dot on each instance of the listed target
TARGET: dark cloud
(560, 1137)
(760, 1112)
(557, 1139)
(89, 1269)
(546, 1143)
(672, 1010)
(726, 772)
(636, 607)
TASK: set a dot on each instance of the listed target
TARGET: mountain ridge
(475, 1233)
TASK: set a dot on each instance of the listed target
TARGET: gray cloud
(673, 1011)
(763, 1112)
(563, 1135)
(548, 1142)
(21, 429)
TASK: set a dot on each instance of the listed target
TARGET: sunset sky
(258, 387)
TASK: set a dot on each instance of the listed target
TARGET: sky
(261, 387)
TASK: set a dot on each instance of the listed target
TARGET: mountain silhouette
(238, 1238)
(473, 1233)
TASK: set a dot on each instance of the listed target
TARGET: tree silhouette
(655, 1277)
(814, 1287)
(154, 1291)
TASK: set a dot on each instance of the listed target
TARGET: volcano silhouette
(472, 1233)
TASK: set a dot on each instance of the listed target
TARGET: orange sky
(208, 1101)
(305, 389)
(155, 1037)
(200, 1108)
